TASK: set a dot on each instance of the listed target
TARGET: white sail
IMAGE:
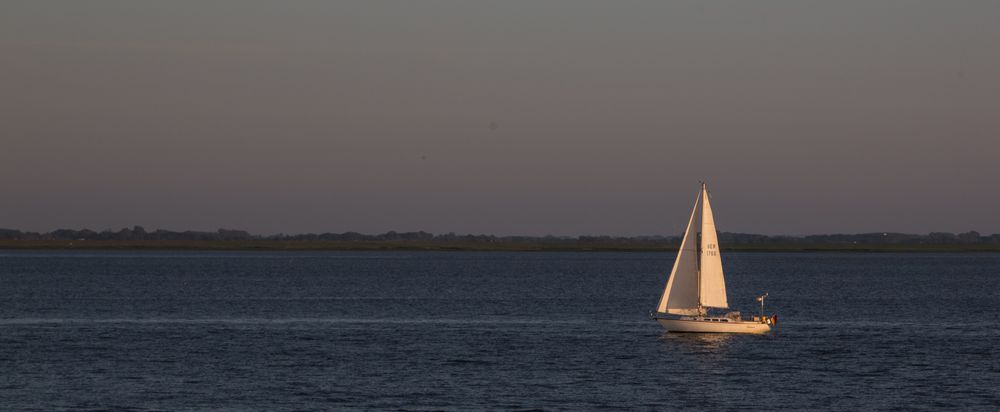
(713, 283)
(681, 294)
(697, 283)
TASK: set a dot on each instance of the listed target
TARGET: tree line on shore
(138, 233)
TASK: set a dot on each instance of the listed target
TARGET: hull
(704, 326)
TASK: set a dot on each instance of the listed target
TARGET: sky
(564, 117)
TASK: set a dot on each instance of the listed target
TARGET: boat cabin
(703, 319)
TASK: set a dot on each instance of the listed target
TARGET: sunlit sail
(697, 282)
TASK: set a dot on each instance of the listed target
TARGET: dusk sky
(562, 117)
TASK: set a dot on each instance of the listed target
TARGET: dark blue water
(342, 330)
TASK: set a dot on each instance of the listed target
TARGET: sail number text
(711, 249)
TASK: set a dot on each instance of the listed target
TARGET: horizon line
(452, 233)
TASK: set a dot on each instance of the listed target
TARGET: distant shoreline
(288, 245)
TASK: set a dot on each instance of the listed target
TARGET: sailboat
(697, 284)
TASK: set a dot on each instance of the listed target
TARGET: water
(403, 330)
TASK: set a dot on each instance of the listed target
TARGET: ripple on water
(466, 331)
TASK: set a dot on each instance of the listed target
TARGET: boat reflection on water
(701, 353)
(712, 353)
(699, 342)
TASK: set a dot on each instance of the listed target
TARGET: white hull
(706, 326)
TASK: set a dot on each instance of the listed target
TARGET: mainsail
(696, 281)
(713, 285)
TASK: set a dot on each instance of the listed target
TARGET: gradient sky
(558, 117)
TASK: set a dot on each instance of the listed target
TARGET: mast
(701, 308)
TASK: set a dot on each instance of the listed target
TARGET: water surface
(438, 330)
